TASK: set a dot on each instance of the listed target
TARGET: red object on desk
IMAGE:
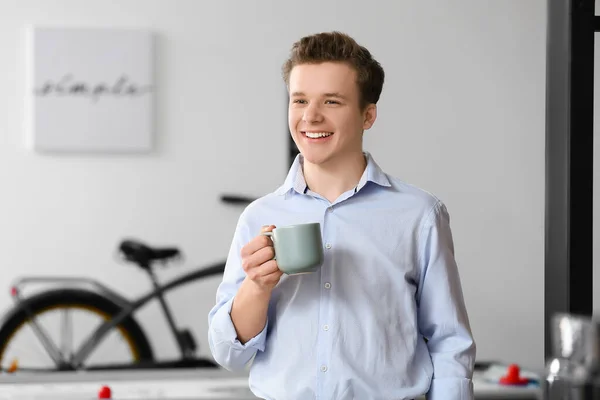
(513, 377)
(104, 393)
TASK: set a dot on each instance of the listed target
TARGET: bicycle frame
(128, 308)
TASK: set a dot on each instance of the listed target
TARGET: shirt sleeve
(442, 314)
(224, 345)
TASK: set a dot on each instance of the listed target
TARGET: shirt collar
(295, 177)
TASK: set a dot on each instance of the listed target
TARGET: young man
(384, 316)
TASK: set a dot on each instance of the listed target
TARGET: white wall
(462, 115)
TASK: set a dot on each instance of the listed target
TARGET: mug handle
(270, 234)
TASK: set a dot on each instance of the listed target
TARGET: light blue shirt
(355, 329)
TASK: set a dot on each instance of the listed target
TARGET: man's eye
(300, 101)
(332, 102)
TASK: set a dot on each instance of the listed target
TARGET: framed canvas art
(90, 89)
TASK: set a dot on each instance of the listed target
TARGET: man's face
(325, 118)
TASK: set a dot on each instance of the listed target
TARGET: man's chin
(316, 159)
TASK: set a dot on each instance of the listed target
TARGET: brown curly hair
(339, 47)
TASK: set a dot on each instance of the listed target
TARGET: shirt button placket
(325, 339)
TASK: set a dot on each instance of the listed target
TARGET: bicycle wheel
(22, 349)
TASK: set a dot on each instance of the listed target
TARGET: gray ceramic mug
(298, 248)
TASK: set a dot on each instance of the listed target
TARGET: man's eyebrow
(330, 94)
(335, 94)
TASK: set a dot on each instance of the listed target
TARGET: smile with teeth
(317, 135)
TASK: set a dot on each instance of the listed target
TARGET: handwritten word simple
(68, 86)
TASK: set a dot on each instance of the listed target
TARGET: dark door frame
(568, 283)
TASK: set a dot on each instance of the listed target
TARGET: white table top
(193, 384)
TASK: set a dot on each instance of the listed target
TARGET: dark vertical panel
(582, 157)
(292, 151)
(292, 148)
(569, 159)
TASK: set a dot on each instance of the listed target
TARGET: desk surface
(193, 385)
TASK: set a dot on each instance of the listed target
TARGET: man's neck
(332, 179)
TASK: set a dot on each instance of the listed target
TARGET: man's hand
(251, 303)
(258, 263)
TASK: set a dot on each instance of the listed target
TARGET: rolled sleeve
(225, 347)
(450, 388)
(224, 332)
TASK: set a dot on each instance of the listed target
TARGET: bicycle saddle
(142, 254)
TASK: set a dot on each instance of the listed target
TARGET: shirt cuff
(451, 389)
(224, 330)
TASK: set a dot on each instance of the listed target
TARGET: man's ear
(369, 116)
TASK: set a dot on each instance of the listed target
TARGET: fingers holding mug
(259, 242)
(267, 228)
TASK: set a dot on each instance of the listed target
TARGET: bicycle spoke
(25, 348)
(66, 335)
(99, 334)
(44, 338)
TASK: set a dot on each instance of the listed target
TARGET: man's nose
(312, 114)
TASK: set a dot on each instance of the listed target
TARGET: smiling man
(384, 316)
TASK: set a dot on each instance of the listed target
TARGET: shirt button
(325, 327)
(323, 368)
(327, 285)
(330, 209)
(328, 245)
